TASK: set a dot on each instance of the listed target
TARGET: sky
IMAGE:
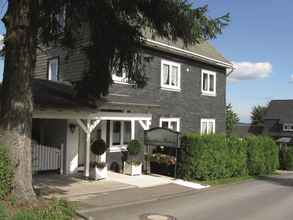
(259, 42)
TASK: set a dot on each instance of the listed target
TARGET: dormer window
(288, 127)
(53, 69)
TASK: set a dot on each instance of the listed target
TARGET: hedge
(286, 157)
(211, 157)
(6, 172)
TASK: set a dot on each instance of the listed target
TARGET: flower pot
(98, 173)
(132, 169)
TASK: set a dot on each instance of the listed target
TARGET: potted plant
(98, 168)
(133, 166)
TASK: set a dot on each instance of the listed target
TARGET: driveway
(268, 198)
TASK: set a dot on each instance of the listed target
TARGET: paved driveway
(264, 199)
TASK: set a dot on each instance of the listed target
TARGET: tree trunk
(16, 101)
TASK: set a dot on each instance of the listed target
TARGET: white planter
(131, 169)
(98, 173)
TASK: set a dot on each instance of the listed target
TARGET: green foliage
(99, 147)
(57, 210)
(262, 155)
(213, 157)
(128, 19)
(257, 119)
(231, 119)
(134, 147)
(286, 157)
(6, 172)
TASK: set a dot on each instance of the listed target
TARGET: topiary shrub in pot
(133, 166)
(98, 168)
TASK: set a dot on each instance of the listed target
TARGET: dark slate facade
(279, 112)
(188, 104)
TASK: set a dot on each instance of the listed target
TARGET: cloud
(250, 71)
(291, 79)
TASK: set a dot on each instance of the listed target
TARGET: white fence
(45, 158)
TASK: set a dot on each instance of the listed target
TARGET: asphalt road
(268, 198)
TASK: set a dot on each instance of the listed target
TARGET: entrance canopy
(162, 137)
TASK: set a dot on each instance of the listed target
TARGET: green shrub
(211, 157)
(6, 172)
(286, 158)
(98, 147)
(134, 147)
(262, 155)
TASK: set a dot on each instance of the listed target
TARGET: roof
(202, 51)
(285, 140)
(280, 110)
(241, 129)
(52, 94)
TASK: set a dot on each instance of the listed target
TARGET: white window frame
(122, 146)
(120, 79)
(207, 120)
(288, 127)
(208, 92)
(169, 120)
(50, 61)
(170, 87)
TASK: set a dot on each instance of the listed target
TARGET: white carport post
(88, 128)
(132, 129)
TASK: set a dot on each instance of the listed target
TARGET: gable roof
(203, 51)
(280, 110)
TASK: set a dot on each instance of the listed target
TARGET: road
(269, 198)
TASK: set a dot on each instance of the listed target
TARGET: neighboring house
(241, 130)
(186, 92)
(278, 120)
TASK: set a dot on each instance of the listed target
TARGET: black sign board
(162, 137)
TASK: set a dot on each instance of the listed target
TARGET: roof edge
(196, 56)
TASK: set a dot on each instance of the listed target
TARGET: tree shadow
(278, 180)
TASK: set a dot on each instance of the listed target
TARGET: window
(170, 75)
(120, 135)
(207, 126)
(287, 127)
(208, 82)
(171, 123)
(120, 77)
(53, 69)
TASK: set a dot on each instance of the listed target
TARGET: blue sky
(259, 42)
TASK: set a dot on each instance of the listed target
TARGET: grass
(225, 181)
(52, 210)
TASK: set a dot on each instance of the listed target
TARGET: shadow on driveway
(283, 180)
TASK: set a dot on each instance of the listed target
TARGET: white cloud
(291, 79)
(250, 71)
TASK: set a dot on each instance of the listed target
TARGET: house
(186, 92)
(241, 130)
(278, 120)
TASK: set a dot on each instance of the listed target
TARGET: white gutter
(215, 61)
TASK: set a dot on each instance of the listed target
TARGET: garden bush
(286, 157)
(6, 172)
(211, 157)
(262, 155)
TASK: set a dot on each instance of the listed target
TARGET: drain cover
(157, 217)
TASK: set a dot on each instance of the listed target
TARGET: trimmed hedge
(6, 172)
(286, 157)
(211, 157)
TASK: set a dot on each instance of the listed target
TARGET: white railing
(45, 158)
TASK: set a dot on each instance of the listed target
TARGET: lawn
(45, 210)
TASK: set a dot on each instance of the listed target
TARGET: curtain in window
(174, 77)
(116, 132)
(212, 78)
(54, 69)
(205, 82)
(210, 128)
(166, 74)
(204, 127)
(127, 132)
